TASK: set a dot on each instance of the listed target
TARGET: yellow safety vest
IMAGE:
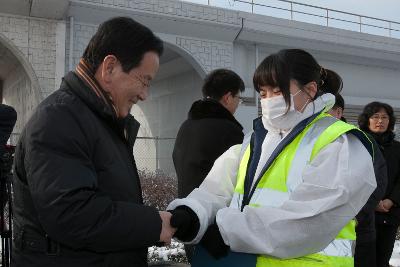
(283, 176)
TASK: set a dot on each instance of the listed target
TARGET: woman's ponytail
(329, 82)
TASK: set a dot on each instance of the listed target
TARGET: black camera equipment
(6, 161)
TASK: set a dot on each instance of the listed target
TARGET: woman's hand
(384, 205)
(387, 203)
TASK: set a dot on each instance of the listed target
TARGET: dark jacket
(391, 152)
(76, 182)
(207, 133)
(365, 250)
(366, 217)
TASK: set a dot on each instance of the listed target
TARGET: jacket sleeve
(380, 171)
(394, 193)
(335, 187)
(215, 192)
(232, 137)
(64, 189)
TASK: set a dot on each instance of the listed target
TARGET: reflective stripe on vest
(282, 178)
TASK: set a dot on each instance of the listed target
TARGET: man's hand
(167, 231)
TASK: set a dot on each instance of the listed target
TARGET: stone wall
(208, 53)
(36, 39)
(178, 8)
(18, 93)
(82, 34)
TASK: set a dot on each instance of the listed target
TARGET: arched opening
(176, 86)
(19, 86)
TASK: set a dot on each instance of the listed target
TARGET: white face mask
(274, 112)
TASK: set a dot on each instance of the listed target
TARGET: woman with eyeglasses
(378, 120)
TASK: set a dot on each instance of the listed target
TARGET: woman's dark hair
(372, 108)
(124, 38)
(221, 81)
(277, 70)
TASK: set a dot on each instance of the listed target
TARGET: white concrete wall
(363, 84)
(82, 34)
(210, 54)
(36, 45)
(172, 7)
(162, 114)
(18, 93)
(36, 40)
(244, 64)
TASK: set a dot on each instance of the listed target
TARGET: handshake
(183, 224)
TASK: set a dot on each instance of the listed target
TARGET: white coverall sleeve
(336, 184)
(215, 192)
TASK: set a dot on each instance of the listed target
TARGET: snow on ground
(395, 260)
(174, 252)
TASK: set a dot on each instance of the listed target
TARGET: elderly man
(78, 200)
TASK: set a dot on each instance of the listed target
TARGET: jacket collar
(87, 95)
(211, 109)
(383, 139)
(75, 84)
(85, 73)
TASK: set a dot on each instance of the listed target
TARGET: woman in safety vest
(287, 196)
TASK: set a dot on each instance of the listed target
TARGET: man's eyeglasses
(145, 83)
(377, 117)
(240, 99)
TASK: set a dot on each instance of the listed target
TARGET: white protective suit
(336, 185)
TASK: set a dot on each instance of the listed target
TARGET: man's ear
(311, 88)
(225, 99)
(108, 67)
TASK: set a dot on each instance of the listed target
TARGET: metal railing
(324, 16)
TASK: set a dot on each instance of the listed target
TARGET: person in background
(338, 108)
(209, 131)
(287, 195)
(378, 120)
(77, 195)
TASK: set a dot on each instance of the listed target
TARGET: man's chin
(124, 113)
